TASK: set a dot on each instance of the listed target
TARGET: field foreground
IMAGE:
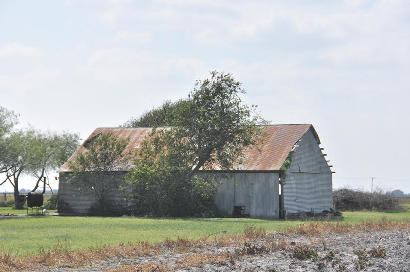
(321, 246)
(350, 251)
(22, 236)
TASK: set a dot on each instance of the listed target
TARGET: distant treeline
(353, 200)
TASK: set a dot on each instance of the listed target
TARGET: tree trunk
(18, 199)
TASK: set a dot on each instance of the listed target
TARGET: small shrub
(378, 252)
(362, 259)
(330, 256)
(253, 249)
(51, 203)
(304, 253)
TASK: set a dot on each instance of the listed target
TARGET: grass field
(405, 203)
(21, 236)
(11, 210)
(406, 206)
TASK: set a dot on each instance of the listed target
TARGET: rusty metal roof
(268, 155)
(135, 136)
(274, 148)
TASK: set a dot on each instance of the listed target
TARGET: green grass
(11, 210)
(406, 206)
(26, 235)
(363, 216)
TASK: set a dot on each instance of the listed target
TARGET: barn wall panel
(257, 192)
(75, 200)
(308, 180)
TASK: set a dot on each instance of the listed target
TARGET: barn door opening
(281, 199)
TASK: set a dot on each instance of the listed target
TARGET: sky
(343, 66)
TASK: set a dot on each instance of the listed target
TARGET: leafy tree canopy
(209, 130)
(104, 154)
(91, 169)
(7, 120)
(164, 116)
(30, 152)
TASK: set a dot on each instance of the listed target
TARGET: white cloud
(142, 37)
(32, 81)
(19, 50)
(109, 17)
(116, 65)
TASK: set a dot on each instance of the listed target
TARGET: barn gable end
(308, 181)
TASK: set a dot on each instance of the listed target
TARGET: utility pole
(372, 184)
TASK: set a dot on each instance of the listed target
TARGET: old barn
(286, 173)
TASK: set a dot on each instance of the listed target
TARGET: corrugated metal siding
(257, 192)
(308, 182)
(81, 201)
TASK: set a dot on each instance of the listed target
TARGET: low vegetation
(6, 200)
(304, 252)
(356, 200)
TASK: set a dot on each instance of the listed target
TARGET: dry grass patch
(199, 260)
(149, 267)
(330, 227)
(10, 263)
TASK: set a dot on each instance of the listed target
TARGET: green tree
(91, 169)
(164, 116)
(209, 131)
(16, 158)
(50, 151)
(7, 121)
(30, 152)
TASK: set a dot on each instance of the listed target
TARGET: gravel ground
(350, 251)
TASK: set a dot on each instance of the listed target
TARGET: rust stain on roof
(273, 149)
(268, 155)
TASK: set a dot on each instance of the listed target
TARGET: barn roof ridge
(261, 125)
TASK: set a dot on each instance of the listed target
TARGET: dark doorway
(281, 201)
